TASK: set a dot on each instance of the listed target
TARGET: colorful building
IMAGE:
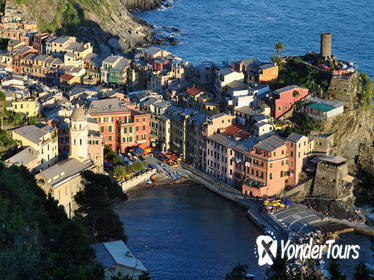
(284, 98)
(275, 163)
(43, 140)
(120, 123)
(115, 70)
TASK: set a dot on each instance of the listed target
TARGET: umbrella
(139, 150)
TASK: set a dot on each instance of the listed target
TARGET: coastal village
(226, 122)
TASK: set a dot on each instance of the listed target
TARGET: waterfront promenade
(297, 218)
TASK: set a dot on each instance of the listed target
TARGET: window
(291, 153)
(110, 138)
(125, 130)
(129, 139)
(282, 162)
(124, 139)
(271, 165)
(110, 128)
(298, 155)
(281, 173)
(271, 176)
(143, 127)
(102, 129)
(130, 129)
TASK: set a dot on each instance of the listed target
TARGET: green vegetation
(294, 72)
(279, 271)
(6, 143)
(334, 271)
(69, 16)
(123, 171)
(364, 192)
(364, 96)
(112, 156)
(362, 272)
(279, 47)
(237, 273)
(37, 239)
(2, 5)
(303, 124)
(95, 207)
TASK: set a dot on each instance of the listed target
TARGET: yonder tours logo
(267, 247)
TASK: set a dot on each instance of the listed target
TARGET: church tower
(79, 135)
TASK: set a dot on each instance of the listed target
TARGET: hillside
(106, 23)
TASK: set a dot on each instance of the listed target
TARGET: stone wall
(133, 182)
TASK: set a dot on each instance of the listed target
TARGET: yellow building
(43, 140)
(29, 107)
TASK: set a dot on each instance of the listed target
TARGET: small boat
(154, 179)
(148, 181)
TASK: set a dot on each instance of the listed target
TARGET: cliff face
(106, 23)
(352, 130)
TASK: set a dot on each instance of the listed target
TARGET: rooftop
(116, 253)
(23, 157)
(108, 106)
(271, 143)
(64, 169)
(284, 89)
(151, 50)
(295, 137)
(194, 91)
(333, 159)
(31, 133)
(321, 107)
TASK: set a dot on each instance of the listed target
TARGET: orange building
(120, 123)
(276, 163)
(267, 73)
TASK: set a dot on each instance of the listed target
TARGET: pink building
(227, 149)
(276, 163)
(285, 98)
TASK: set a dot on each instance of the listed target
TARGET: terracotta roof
(194, 91)
(67, 77)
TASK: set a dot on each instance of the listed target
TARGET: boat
(148, 181)
(154, 179)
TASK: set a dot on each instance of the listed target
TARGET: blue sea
(229, 30)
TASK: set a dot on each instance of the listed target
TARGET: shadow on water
(188, 232)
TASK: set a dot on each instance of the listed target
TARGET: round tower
(326, 39)
(79, 135)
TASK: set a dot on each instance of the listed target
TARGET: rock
(104, 50)
(114, 44)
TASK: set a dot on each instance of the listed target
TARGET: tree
(237, 273)
(334, 272)
(109, 154)
(278, 270)
(37, 240)
(279, 47)
(120, 172)
(95, 207)
(362, 272)
(138, 166)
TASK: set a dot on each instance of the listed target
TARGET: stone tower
(79, 135)
(326, 39)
